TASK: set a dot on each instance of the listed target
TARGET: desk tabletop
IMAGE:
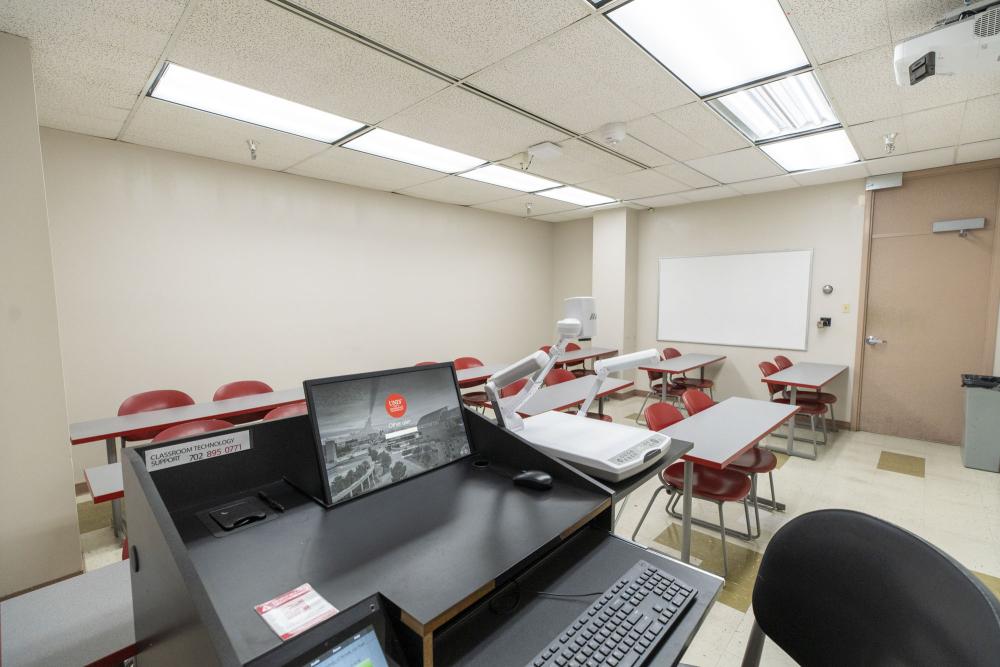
(105, 482)
(728, 429)
(567, 394)
(113, 427)
(807, 374)
(586, 353)
(477, 374)
(684, 363)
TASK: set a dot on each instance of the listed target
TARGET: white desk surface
(478, 373)
(567, 394)
(684, 363)
(728, 429)
(105, 482)
(73, 622)
(806, 374)
(586, 353)
(111, 427)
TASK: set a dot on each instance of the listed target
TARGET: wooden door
(931, 298)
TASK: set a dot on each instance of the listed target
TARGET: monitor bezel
(307, 387)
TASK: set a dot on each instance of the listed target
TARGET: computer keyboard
(625, 625)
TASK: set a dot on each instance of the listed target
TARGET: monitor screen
(377, 429)
(360, 650)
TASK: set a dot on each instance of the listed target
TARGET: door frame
(989, 350)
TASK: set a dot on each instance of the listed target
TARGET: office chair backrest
(467, 362)
(670, 353)
(695, 401)
(241, 388)
(661, 415)
(513, 388)
(558, 376)
(837, 587)
(190, 428)
(782, 362)
(290, 410)
(767, 369)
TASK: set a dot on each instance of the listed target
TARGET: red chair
(545, 348)
(513, 388)
(188, 429)
(782, 363)
(685, 381)
(425, 363)
(158, 399)
(755, 462)
(656, 380)
(243, 388)
(696, 401)
(558, 376)
(807, 408)
(474, 399)
(295, 409)
(670, 353)
(717, 486)
(578, 368)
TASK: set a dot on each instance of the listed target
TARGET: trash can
(981, 443)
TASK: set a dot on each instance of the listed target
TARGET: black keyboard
(625, 625)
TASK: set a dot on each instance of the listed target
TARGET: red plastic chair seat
(158, 399)
(805, 408)
(694, 383)
(757, 461)
(291, 410)
(243, 388)
(719, 485)
(672, 390)
(191, 428)
(475, 398)
(815, 397)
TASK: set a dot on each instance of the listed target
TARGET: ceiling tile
(458, 190)
(262, 46)
(579, 162)
(518, 206)
(644, 183)
(584, 76)
(705, 194)
(836, 28)
(770, 184)
(831, 175)
(661, 201)
(458, 37)
(908, 18)
(344, 165)
(983, 150)
(917, 131)
(982, 119)
(705, 127)
(938, 157)
(637, 150)
(869, 138)
(863, 87)
(742, 165)
(686, 175)
(468, 123)
(666, 139)
(575, 214)
(178, 128)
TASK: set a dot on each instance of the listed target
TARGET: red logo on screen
(395, 405)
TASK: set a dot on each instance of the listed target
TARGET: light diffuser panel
(412, 151)
(576, 196)
(814, 151)
(509, 178)
(791, 105)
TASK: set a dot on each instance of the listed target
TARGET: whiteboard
(756, 299)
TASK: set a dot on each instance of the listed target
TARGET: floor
(920, 486)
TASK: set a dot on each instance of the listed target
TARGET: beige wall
(827, 219)
(40, 538)
(572, 249)
(180, 272)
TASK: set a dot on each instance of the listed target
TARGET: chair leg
(755, 647)
(826, 434)
(722, 532)
(643, 518)
(833, 420)
(639, 414)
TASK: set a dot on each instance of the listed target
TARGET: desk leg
(663, 387)
(686, 523)
(116, 505)
(600, 406)
(792, 397)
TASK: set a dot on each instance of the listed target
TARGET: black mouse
(533, 479)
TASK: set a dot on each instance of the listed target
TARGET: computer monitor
(361, 649)
(376, 429)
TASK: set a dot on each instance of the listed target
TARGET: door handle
(874, 340)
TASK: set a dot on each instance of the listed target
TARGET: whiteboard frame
(659, 285)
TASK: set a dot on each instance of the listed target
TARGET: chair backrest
(661, 415)
(467, 362)
(767, 369)
(695, 401)
(572, 347)
(782, 362)
(288, 410)
(837, 587)
(557, 376)
(425, 363)
(513, 388)
(158, 399)
(241, 388)
(545, 348)
(670, 353)
(190, 428)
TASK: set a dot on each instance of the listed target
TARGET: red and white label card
(296, 611)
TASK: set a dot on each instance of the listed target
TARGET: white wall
(180, 272)
(829, 219)
(572, 249)
(40, 537)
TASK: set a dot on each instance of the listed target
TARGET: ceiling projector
(965, 40)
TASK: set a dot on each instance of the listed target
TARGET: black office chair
(837, 587)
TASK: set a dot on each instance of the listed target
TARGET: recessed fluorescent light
(576, 196)
(713, 46)
(787, 106)
(813, 151)
(509, 178)
(193, 89)
(404, 149)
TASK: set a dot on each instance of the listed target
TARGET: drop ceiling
(489, 78)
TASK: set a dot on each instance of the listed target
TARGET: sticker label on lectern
(296, 611)
(194, 451)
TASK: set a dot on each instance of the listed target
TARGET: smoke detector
(612, 133)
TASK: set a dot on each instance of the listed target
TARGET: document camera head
(626, 362)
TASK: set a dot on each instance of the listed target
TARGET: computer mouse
(533, 479)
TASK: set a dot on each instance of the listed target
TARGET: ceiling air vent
(988, 23)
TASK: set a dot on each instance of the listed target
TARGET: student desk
(471, 377)
(576, 356)
(721, 434)
(682, 364)
(567, 395)
(803, 375)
